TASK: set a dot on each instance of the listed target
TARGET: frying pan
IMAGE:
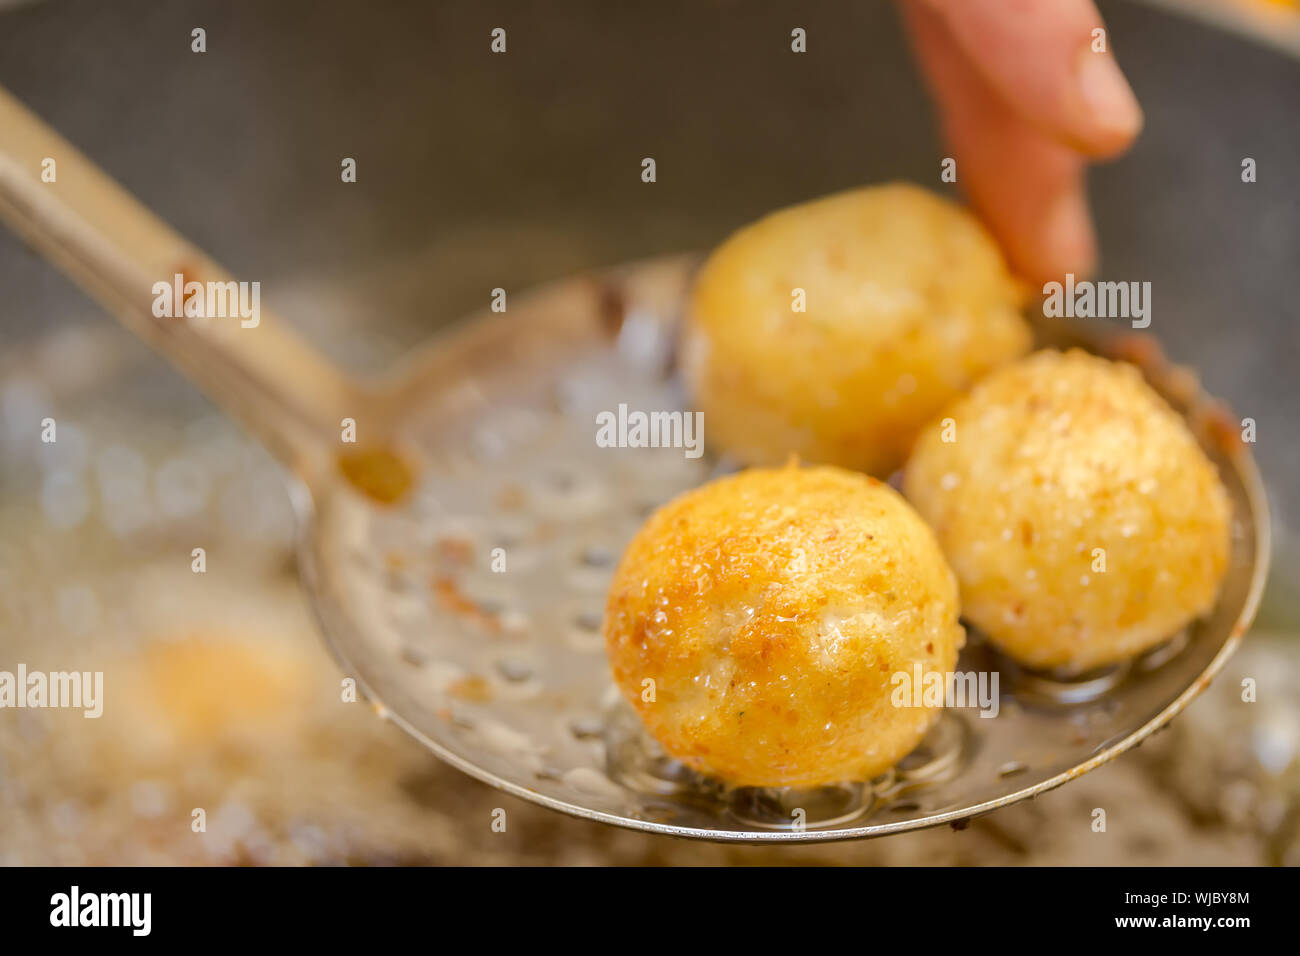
(483, 441)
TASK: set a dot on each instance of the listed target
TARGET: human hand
(1025, 101)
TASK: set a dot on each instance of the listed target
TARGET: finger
(1028, 188)
(1040, 58)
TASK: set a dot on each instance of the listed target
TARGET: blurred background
(476, 171)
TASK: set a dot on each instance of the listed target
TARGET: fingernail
(1106, 94)
(1067, 241)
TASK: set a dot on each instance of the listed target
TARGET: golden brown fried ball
(771, 609)
(1083, 521)
(908, 301)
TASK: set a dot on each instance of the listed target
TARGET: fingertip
(1045, 229)
(1064, 240)
(1050, 63)
(1108, 109)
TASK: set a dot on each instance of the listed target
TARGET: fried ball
(771, 610)
(1083, 521)
(907, 302)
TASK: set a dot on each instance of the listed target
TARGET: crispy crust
(1062, 461)
(771, 610)
(908, 303)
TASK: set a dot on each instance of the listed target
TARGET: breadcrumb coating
(1082, 519)
(908, 302)
(756, 624)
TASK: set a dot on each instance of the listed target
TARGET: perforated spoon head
(469, 610)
